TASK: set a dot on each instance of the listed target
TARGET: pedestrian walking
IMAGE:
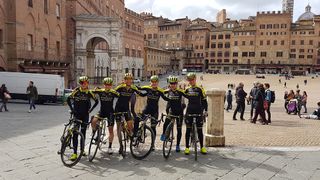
(305, 82)
(229, 100)
(241, 98)
(285, 97)
(32, 93)
(4, 96)
(285, 85)
(304, 101)
(297, 86)
(279, 81)
(260, 110)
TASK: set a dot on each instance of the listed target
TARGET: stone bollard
(215, 122)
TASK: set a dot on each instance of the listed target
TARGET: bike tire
(168, 141)
(94, 144)
(195, 142)
(124, 143)
(132, 143)
(66, 142)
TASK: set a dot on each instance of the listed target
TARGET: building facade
(156, 61)
(267, 42)
(33, 36)
(71, 38)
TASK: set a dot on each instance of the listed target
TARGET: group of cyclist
(80, 104)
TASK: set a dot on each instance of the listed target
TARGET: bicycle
(140, 145)
(71, 130)
(194, 133)
(169, 136)
(123, 132)
(98, 138)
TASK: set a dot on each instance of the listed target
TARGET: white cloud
(207, 9)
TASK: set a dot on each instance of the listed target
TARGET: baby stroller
(293, 107)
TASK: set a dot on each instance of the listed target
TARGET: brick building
(71, 38)
(267, 42)
(33, 36)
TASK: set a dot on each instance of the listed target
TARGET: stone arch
(97, 37)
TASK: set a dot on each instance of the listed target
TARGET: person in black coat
(229, 100)
(240, 99)
(259, 98)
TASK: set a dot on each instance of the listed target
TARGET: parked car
(137, 81)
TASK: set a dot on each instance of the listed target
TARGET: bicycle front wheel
(124, 143)
(94, 144)
(68, 148)
(141, 146)
(167, 143)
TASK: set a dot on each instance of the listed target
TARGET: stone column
(215, 123)
(90, 69)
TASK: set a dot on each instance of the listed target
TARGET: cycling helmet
(83, 79)
(128, 76)
(107, 80)
(154, 78)
(191, 76)
(172, 79)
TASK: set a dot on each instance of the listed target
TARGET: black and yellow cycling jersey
(153, 96)
(106, 100)
(125, 93)
(81, 105)
(174, 98)
(197, 99)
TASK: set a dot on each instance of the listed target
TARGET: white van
(50, 86)
(184, 72)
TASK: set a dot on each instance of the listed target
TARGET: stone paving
(29, 144)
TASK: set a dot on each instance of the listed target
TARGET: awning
(31, 68)
(192, 66)
(55, 69)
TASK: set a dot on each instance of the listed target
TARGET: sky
(207, 9)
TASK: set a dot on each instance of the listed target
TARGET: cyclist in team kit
(174, 107)
(106, 96)
(196, 105)
(126, 90)
(153, 93)
(80, 104)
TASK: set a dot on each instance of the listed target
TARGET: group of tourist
(260, 99)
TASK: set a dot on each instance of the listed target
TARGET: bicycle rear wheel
(94, 144)
(67, 148)
(167, 143)
(195, 141)
(141, 146)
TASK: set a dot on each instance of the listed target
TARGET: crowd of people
(80, 104)
(260, 99)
